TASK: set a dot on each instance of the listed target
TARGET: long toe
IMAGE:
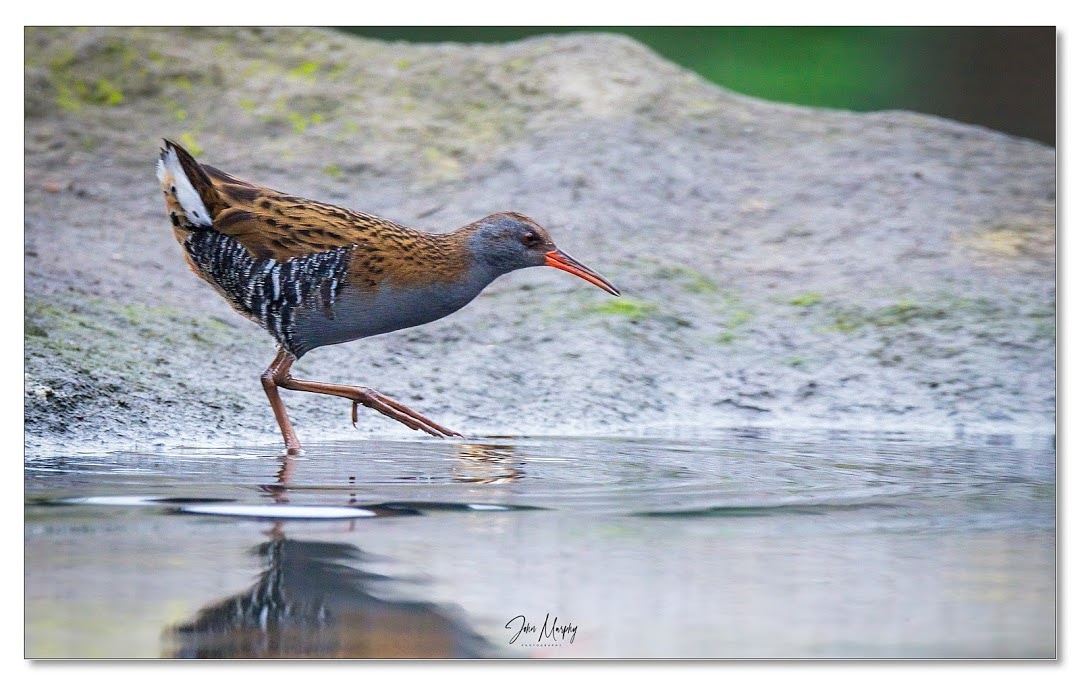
(399, 412)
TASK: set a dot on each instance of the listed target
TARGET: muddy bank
(780, 265)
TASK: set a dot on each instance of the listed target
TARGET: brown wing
(276, 225)
(273, 224)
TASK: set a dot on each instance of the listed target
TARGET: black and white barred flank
(270, 291)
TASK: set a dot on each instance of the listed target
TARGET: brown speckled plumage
(281, 226)
(315, 274)
(276, 225)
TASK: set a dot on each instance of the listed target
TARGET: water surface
(752, 543)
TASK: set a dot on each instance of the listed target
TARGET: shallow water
(754, 543)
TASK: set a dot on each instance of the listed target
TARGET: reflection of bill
(550, 633)
(311, 601)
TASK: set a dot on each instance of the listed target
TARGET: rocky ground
(780, 265)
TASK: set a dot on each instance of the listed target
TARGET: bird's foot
(399, 412)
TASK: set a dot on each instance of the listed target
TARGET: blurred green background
(1000, 77)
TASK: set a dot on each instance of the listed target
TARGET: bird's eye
(530, 238)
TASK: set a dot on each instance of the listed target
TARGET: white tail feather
(175, 181)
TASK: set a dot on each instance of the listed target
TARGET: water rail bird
(314, 274)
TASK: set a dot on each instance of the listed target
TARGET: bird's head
(508, 241)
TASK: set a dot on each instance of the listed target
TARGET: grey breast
(358, 313)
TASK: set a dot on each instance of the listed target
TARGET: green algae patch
(805, 300)
(690, 280)
(307, 69)
(72, 94)
(904, 312)
(630, 308)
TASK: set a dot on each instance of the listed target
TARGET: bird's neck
(479, 272)
(443, 264)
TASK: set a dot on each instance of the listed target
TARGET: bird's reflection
(477, 463)
(313, 602)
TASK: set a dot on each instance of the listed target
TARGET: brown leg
(374, 400)
(271, 379)
(278, 376)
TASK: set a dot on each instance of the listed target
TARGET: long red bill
(561, 260)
